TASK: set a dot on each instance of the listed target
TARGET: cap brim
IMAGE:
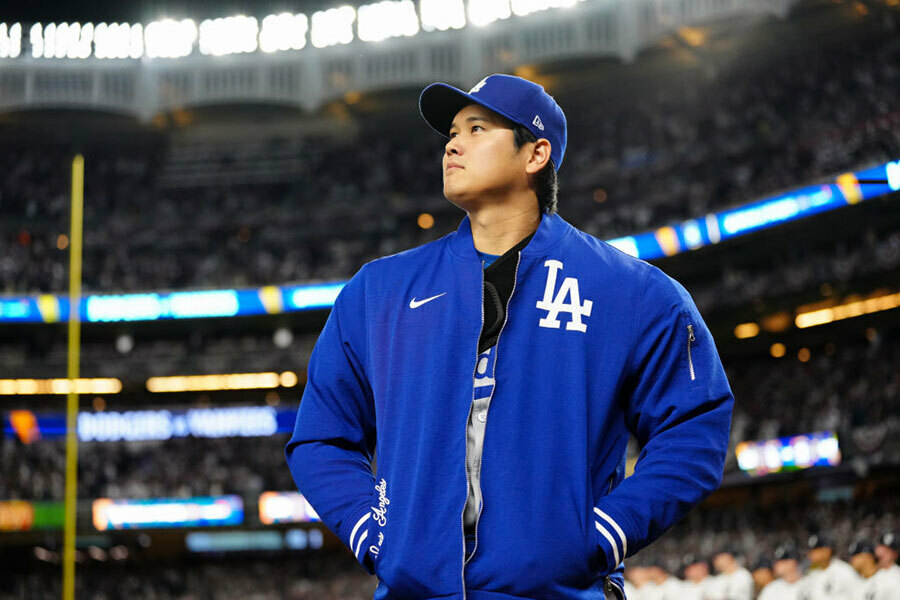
(439, 103)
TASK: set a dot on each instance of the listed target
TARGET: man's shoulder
(619, 262)
(410, 256)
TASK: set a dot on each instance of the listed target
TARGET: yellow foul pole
(74, 350)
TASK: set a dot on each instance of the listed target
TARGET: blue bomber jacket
(596, 344)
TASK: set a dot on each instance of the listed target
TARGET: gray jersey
(883, 585)
(732, 586)
(838, 581)
(780, 590)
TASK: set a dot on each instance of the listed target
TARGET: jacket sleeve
(678, 404)
(330, 453)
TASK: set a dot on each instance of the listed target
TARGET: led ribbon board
(146, 425)
(849, 188)
(789, 453)
(211, 511)
(285, 507)
(19, 515)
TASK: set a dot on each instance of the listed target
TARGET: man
(878, 584)
(665, 586)
(696, 578)
(829, 577)
(786, 569)
(637, 582)
(499, 400)
(887, 551)
(762, 574)
(732, 582)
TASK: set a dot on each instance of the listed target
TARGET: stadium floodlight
(136, 41)
(81, 41)
(526, 7)
(333, 26)
(118, 40)
(36, 38)
(484, 12)
(65, 40)
(442, 14)
(168, 38)
(387, 19)
(283, 32)
(10, 40)
(230, 35)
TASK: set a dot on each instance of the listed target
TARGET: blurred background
(243, 160)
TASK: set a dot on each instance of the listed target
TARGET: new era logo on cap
(519, 100)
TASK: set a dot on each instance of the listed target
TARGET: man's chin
(459, 199)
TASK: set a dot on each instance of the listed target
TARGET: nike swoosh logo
(417, 303)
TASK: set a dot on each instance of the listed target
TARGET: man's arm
(330, 453)
(678, 405)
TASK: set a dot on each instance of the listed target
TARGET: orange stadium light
(31, 387)
(847, 310)
(232, 381)
(746, 330)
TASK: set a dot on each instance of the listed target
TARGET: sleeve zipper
(691, 339)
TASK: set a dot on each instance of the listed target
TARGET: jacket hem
(486, 595)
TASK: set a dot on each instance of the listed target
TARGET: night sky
(144, 11)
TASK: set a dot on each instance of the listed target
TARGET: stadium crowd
(309, 577)
(740, 553)
(661, 158)
(852, 389)
(812, 570)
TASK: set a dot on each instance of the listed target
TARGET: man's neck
(496, 229)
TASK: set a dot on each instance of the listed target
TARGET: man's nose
(453, 146)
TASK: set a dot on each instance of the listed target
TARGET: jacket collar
(550, 231)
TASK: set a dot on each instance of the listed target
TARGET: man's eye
(474, 127)
(452, 134)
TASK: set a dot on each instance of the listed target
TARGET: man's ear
(540, 156)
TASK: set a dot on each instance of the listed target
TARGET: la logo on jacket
(557, 304)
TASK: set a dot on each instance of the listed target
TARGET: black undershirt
(499, 279)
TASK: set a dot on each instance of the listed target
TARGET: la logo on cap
(478, 86)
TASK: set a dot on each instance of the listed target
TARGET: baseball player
(878, 584)
(887, 551)
(666, 587)
(786, 569)
(732, 582)
(497, 373)
(696, 578)
(762, 574)
(829, 577)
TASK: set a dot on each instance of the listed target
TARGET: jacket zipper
(691, 339)
(462, 516)
(488, 410)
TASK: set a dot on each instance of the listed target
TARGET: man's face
(722, 562)
(696, 572)
(885, 555)
(863, 562)
(762, 577)
(481, 159)
(784, 567)
(820, 557)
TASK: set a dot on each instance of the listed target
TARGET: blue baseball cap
(519, 100)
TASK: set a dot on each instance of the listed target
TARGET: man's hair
(546, 185)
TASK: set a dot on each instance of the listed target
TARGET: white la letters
(555, 305)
